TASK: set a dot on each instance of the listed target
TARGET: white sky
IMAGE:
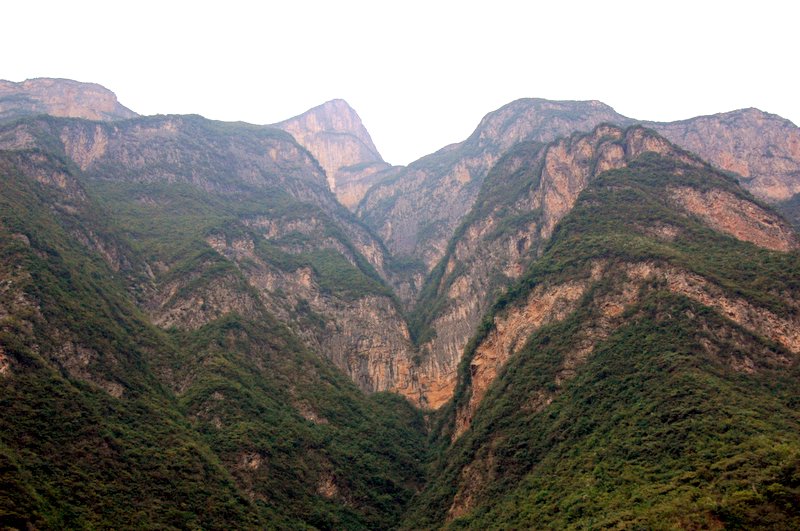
(420, 74)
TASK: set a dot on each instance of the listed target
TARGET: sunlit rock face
(334, 134)
(762, 148)
(60, 97)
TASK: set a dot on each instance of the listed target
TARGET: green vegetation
(791, 209)
(678, 418)
(658, 428)
(111, 422)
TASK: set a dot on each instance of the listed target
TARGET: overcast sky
(420, 74)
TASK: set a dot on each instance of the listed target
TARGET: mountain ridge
(598, 327)
(60, 97)
(334, 134)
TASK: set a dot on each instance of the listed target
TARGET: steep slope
(643, 373)
(230, 216)
(60, 97)
(416, 210)
(334, 134)
(525, 194)
(226, 422)
(763, 149)
(791, 209)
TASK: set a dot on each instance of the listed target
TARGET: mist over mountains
(572, 318)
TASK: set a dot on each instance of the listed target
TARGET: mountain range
(570, 319)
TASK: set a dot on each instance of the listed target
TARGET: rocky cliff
(60, 97)
(334, 134)
(523, 198)
(644, 320)
(763, 149)
(416, 210)
(253, 225)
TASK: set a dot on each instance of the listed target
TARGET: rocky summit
(60, 97)
(571, 319)
(334, 134)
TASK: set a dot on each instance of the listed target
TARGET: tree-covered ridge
(677, 415)
(111, 422)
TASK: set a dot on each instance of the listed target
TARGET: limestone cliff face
(605, 289)
(364, 335)
(60, 97)
(417, 210)
(334, 134)
(547, 304)
(738, 217)
(524, 197)
(764, 149)
(284, 252)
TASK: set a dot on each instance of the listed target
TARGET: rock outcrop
(525, 195)
(762, 148)
(60, 97)
(417, 210)
(334, 134)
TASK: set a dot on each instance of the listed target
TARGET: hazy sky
(420, 74)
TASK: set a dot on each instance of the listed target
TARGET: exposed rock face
(60, 97)
(549, 304)
(365, 336)
(334, 134)
(510, 332)
(525, 196)
(763, 148)
(737, 217)
(297, 216)
(417, 210)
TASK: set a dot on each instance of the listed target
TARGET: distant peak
(60, 97)
(335, 116)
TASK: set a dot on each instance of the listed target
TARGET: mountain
(334, 134)
(226, 215)
(416, 209)
(762, 149)
(522, 199)
(578, 322)
(176, 294)
(60, 97)
(642, 372)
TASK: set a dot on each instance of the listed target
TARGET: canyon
(334, 342)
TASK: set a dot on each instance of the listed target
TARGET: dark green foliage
(791, 209)
(84, 458)
(658, 428)
(514, 175)
(245, 403)
(168, 453)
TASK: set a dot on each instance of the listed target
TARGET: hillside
(642, 373)
(60, 97)
(144, 378)
(567, 320)
(522, 199)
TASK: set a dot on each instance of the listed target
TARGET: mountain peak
(332, 117)
(60, 97)
(542, 120)
(334, 134)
